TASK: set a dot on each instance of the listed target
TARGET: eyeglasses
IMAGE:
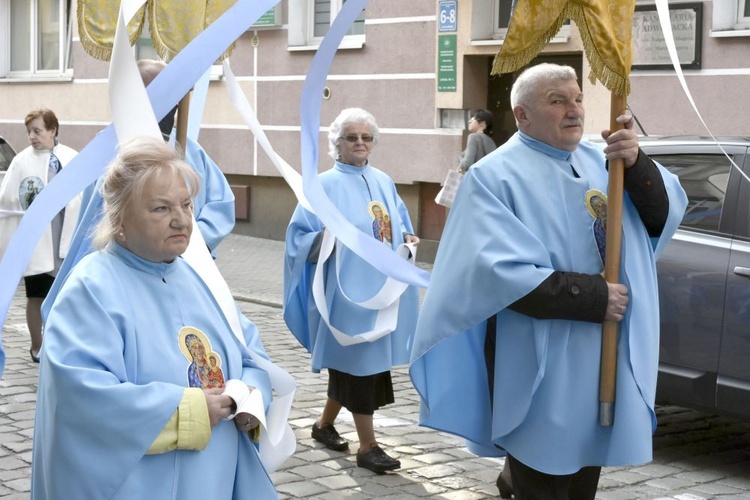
(355, 137)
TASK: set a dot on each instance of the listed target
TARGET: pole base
(606, 414)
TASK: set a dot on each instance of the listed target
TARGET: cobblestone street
(696, 456)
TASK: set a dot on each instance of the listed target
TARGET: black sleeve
(644, 184)
(572, 296)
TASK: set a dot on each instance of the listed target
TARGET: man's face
(554, 114)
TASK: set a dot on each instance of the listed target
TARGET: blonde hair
(137, 162)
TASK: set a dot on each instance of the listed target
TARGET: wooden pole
(183, 112)
(608, 373)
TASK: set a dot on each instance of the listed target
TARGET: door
(733, 384)
(692, 276)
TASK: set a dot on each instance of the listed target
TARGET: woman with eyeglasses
(479, 144)
(350, 342)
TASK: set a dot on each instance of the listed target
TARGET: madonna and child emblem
(381, 222)
(28, 190)
(204, 370)
(596, 204)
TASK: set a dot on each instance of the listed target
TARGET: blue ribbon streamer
(378, 255)
(164, 92)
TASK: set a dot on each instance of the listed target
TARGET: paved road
(696, 456)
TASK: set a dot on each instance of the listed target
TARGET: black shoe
(329, 437)
(34, 357)
(506, 491)
(377, 461)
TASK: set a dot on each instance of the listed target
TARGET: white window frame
(728, 19)
(743, 21)
(301, 27)
(64, 44)
(498, 32)
(485, 29)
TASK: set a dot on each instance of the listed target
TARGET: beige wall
(392, 75)
(719, 89)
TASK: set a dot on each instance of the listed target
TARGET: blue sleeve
(214, 203)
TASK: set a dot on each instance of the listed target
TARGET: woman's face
(476, 126)
(39, 137)
(157, 227)
(353, 148)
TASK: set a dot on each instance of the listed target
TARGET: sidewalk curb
(247, 298)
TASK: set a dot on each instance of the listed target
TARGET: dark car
(704, 277)
(6, 154)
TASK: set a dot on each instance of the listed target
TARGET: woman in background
(29, 171)
(359, 377)
(479, 144)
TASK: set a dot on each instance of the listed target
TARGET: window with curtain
(37, 37)
(323, 14)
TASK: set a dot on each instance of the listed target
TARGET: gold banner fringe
(102, 49)
(611, 79)
(166, 51)
(513, 62)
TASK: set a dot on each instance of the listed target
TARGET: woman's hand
(246, 422)
(411, 238)
(219, 405)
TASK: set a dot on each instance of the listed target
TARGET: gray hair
(527, 82)
(137, 162)
(150, 69)
(347, 117)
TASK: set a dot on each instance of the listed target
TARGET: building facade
(419, 67)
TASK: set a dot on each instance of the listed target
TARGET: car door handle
(742, 271)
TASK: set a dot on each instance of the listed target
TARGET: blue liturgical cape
(113, 371)
(352, 190)
(213, 208)
(519, 215)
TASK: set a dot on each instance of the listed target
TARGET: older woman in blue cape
(125, 408)
(346, 341)
(511, 363)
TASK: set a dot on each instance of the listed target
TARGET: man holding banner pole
(512, 365)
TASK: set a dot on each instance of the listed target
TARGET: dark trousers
(530, 484)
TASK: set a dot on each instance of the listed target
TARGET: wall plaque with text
(649, 48)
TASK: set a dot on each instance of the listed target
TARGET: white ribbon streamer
(386, 301)
(238, 98)
(245, 400)
(277, 442)
(392, 289)
(662, 7)
(132, 115)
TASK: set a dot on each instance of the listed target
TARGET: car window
(704, 177)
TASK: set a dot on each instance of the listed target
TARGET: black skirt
(362, 395)
(38, 285)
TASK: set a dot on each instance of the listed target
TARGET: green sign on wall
(446, 63)
(267, 19)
